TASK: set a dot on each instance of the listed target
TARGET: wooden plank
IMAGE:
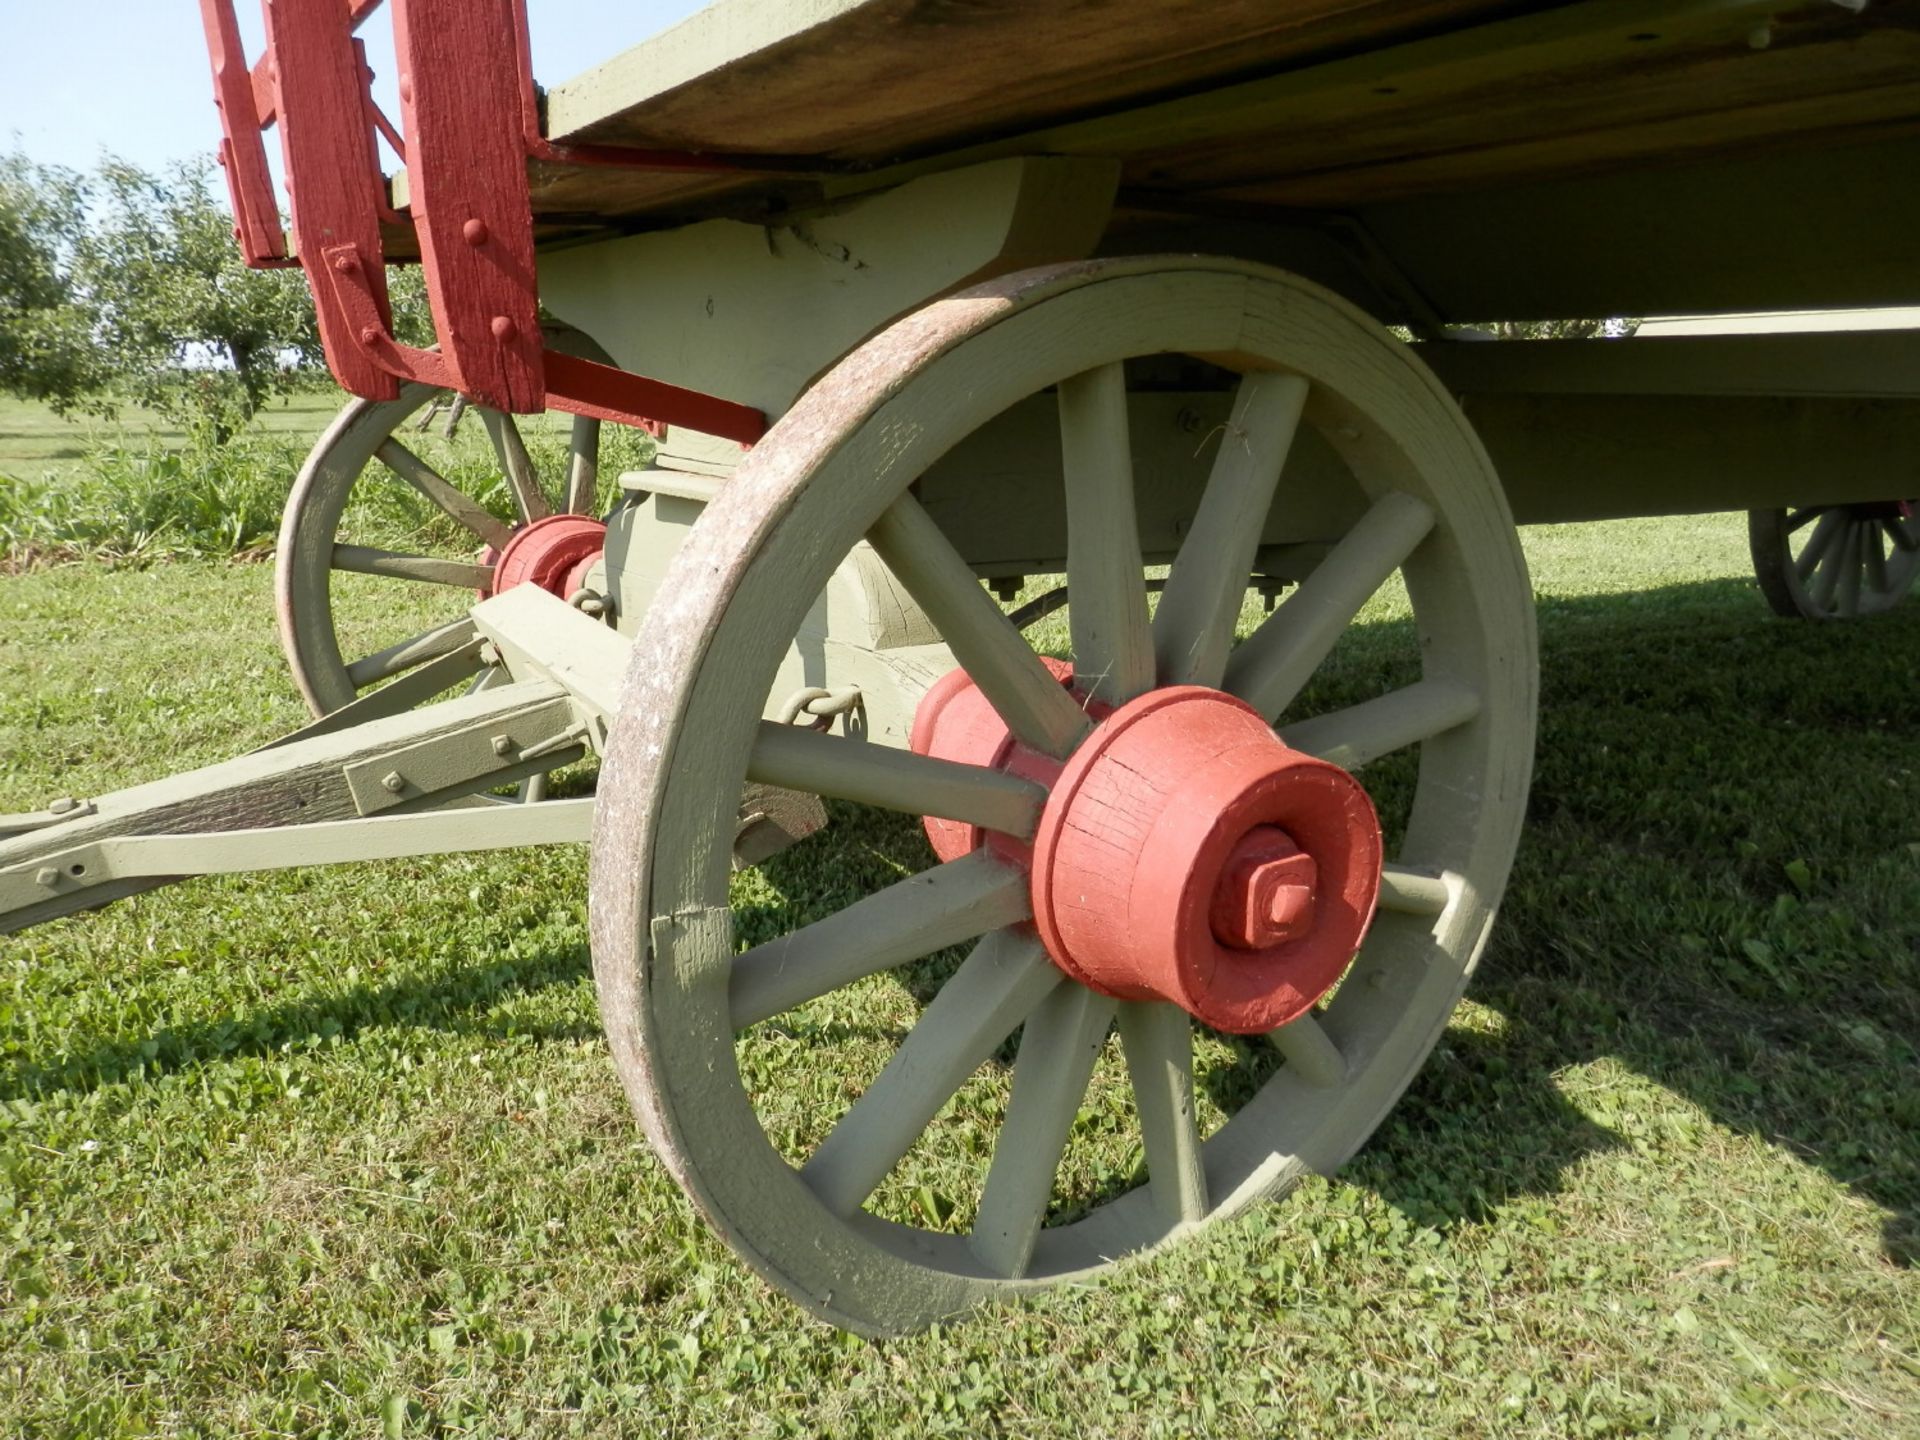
(749, 75)
(1325, 103)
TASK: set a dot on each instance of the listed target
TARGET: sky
(79, 78)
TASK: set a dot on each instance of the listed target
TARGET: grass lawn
(34, 441)
(341, 1152)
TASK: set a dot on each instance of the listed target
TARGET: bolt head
(66, 804)
(46, 876)
(503, 328)
(503, 745)
(1266, 893)
(393, 782)
(343, 263)
(474, 232)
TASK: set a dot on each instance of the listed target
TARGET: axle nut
(393, 782)
(1266, 892)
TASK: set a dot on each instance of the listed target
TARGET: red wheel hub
(556, 553)
(1185, 853)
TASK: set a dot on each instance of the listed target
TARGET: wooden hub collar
(556, 553)
(1185, 852)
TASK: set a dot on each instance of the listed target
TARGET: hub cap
(1185, 852)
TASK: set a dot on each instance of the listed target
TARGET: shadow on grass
(458, 1000)
(1718, 886)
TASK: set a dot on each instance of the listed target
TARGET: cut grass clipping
(341, 1153)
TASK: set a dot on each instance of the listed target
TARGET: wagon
(1036, 395)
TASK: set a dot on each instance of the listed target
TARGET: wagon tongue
(1185, 852)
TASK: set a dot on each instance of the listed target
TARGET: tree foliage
(125, 285)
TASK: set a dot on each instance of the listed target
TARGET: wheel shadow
(1718, 887)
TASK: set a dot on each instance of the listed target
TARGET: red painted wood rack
(469, 124)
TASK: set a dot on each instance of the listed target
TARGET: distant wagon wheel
(553, 537)
(1836, 562)
(1242, 885)
(360, 451)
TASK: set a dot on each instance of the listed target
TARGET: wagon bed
(1443, 118)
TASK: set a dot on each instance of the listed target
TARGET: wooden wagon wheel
(672, 989)
(1836, 562)
(362, 449)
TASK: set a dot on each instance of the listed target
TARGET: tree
(131, 288)
(46, 352)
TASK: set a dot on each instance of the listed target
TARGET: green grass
(341, 1152)
(34, 441)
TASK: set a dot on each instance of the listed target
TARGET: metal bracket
(491, 752)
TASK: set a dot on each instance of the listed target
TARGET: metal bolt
(1188, 420)
(393, 781)
(503, 328)
(343, 263)
(61, 806)
(369, 334)
(46, 876)
(503, 745)
(475, 232)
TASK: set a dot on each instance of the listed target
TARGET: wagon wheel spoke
(423, 569)
(1806, 515)
(462, 509)
(583, 466)
(1408, 891)
(414, 650)
(522, 479)
(1157, 1039)
(1278, 658)
(1903, 531)
(1839, 556)
(1833, 524)
(1037, 709)
(1853, 567)
(1309, 1051)
(1874, 557)
(1007, 975)
(845, 769)
(1362, 733)
(1058, 1047)
(1193, 627)
(1112, 645)
(949, 904)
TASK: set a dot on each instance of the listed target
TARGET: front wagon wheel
(1233, 869)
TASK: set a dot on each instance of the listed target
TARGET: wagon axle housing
(1184, 853)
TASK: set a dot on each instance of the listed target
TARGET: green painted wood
(830, 765)
(1269, 668)
(287, 847)
(1059, 1044)
(992, 992)
(414, 650)
(1157, 1040)
(415, 687)
(522, 478)
(1112, 642)
(423, 569)
(944, 906)
(1360, 734)
(1310, 1052)
(583, 466)
(301, 783)
(457, 506)
(1409, 892)
(984, 642)
(1193, 626)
